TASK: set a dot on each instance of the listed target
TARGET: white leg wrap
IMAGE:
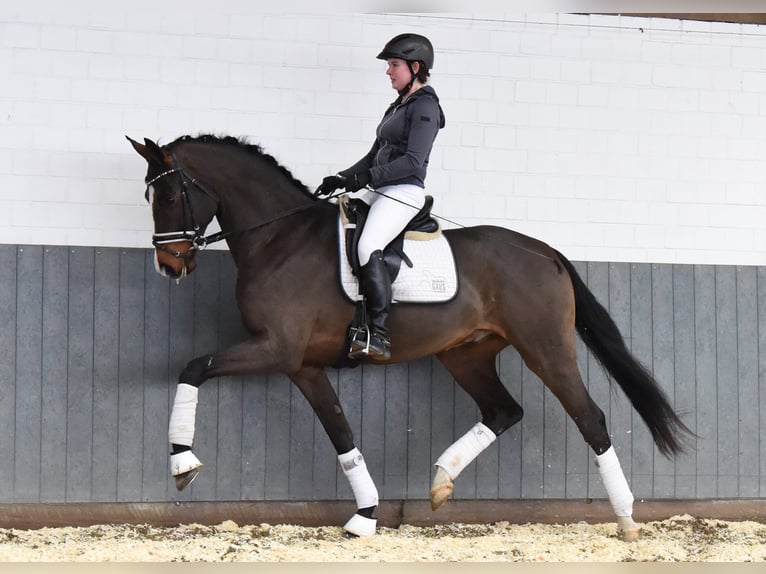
(465, 449)
(355, 469)
(181, 428)
(615, 483)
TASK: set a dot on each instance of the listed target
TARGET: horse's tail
(600, 333)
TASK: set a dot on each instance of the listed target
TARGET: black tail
(599, 332)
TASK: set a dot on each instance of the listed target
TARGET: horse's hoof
(441, 488)
(185, 479)
(631, 531)
(359, 525)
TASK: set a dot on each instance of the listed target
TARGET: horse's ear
(149, 150)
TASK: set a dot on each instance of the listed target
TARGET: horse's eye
(166, 197)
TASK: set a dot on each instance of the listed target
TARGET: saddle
(356, 212)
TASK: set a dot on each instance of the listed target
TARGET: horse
(514, 290)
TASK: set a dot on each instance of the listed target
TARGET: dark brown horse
(514, 290)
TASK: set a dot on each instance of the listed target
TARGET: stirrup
(363, 345)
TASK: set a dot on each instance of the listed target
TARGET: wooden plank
(685, 375)
(8, 298)
(728, 401)
(156, 406)
(301, 447)
(374, 410)
(642, 445)
(435, 395)
(554, 447)
(532, 435)
(663, 352)
(761, 302)
(79, 400)
(510, 369)
(747, 382)
(428, 379)
(707, 382)
(54, 373)
(205, 310)
(130, 416)
(278, 438)
(395, 433)
(106, 336)
(230, 390)
(254, 431)
(29, 349)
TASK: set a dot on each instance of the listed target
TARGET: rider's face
(399, 73)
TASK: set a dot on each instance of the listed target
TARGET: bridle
(193, 232)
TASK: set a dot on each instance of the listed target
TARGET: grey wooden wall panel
(130, 404)
(29, 333)
(726, 384)
(79, 387)
(426, 383)
(54, 373)
(89, 373)
(156, 375)
(106, 336)
(761, 304)
(707, 381)
(684, 375)
(8, 320)
(640, 343)
(747, 383)
(662, 335)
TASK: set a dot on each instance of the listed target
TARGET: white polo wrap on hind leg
(181, 428)
(615, 483)
(355, 469)
(465, 449)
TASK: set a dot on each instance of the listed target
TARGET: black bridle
(193, 233)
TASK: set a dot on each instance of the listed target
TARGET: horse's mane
(242, 143)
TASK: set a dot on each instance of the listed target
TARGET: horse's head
(181, 209)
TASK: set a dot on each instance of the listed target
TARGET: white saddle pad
(431, 279)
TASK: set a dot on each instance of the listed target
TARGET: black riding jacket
(403, 142)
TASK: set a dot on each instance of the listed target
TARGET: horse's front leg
(184, 464)
(318, 390)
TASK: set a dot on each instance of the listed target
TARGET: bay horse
(513, 290)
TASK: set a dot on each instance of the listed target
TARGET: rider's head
(411, 48)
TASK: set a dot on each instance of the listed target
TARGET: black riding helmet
(410, 48)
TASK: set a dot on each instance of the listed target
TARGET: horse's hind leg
(316, 387)
(556, 365)
(473, 366)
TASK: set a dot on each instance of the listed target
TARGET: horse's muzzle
(175, 260)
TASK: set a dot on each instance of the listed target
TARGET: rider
(395, 168)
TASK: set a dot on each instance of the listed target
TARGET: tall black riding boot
(376, 288)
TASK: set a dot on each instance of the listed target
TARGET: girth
(356, 212)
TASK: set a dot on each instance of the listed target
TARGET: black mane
(254, 149)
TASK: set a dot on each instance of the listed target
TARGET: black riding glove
(330, 184)
(358, 181)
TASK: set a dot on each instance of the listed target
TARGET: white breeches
(389, 214)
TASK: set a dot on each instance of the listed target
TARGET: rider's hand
(358, 181)
(330, 184)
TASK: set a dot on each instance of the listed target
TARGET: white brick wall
(613, 138)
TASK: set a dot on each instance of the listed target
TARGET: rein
(194, 235)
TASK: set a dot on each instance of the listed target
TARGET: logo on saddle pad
(427, 273)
